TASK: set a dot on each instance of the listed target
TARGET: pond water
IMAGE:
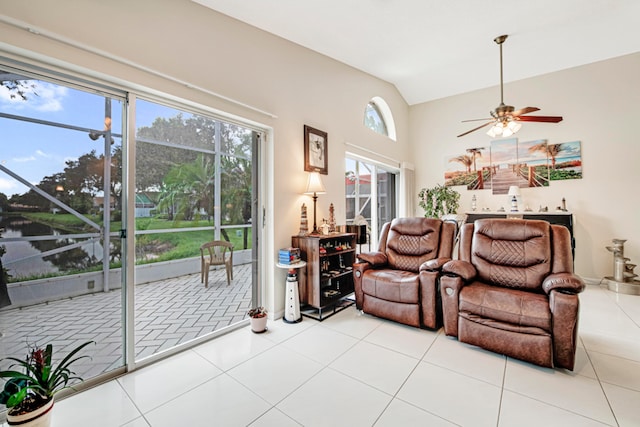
(24, 259)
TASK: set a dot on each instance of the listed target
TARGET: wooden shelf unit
(329, 278)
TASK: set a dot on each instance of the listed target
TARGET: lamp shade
(314, 184)
(514, 190)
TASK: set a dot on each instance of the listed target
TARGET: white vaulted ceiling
(431, 49)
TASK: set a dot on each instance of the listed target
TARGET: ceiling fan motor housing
(502, 110)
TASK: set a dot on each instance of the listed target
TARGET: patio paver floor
(169, 312)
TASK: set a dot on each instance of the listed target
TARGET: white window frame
(383, 109)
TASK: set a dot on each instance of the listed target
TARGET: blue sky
(34, 151)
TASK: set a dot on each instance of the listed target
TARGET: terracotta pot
(258, 324)
(41, 417)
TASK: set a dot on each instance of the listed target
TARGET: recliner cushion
(392, 285)
(410, 243)
(523, 309)
(513, 254)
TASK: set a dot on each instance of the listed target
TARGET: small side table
(292, 296)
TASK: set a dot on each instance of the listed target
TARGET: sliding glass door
(60, 216)
(70, 182)
(193, 186)
(371, 195)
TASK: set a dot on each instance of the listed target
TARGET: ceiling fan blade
(475, 129)
(505, 114)
(476, 120)
(545, 119)
(525, 110)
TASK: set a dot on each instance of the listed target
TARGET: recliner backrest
(411, 241)
(511, 253)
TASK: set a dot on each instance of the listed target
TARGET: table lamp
(315, 187)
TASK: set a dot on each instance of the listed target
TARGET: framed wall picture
(315, 150)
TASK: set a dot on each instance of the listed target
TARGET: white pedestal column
(292, 296)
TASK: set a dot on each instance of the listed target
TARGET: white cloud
(24, 159)
(42, 96)
(49, 97)
(5, 96)
(8, 186)
(42, 154)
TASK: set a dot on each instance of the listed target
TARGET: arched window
(378, 118)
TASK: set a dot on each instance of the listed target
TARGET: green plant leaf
(43, 380)
(16, 398)
(438, 201)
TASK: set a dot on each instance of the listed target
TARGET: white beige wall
(190, 43)
(600, 104)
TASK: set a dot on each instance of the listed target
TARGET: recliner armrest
(359, 269)
(376, 259)
(459, 268)
(434, 264)
(563, 282)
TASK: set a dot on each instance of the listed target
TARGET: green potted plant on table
(29, 394)
(258, 318)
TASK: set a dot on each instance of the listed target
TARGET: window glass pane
(235, 140)
(373, 119)
(363, 200)
(57, 204)
(193, 186)
(386, 196)
(351, 208)
(159, 123)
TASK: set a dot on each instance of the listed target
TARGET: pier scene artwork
(508, 162)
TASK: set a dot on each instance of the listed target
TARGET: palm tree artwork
(465, 159)
(565, 159)
(475, 152)
(552, 151)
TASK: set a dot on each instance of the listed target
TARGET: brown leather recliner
(513, 291)
(399, 281)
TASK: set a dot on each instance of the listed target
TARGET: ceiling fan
(505, 119)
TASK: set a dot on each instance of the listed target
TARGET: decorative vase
(258, 324)
(40, 417)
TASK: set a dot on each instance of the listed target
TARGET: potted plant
(439, 201)
(258, 318)
(29, 394)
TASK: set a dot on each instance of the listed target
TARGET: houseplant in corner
(29, 394)
(258, 318)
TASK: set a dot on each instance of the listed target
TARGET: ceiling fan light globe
(514, 126)
(507, 132)
(496, 129)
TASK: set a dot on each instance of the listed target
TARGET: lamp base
(315, 224)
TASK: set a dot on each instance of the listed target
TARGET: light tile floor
(357, 370)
